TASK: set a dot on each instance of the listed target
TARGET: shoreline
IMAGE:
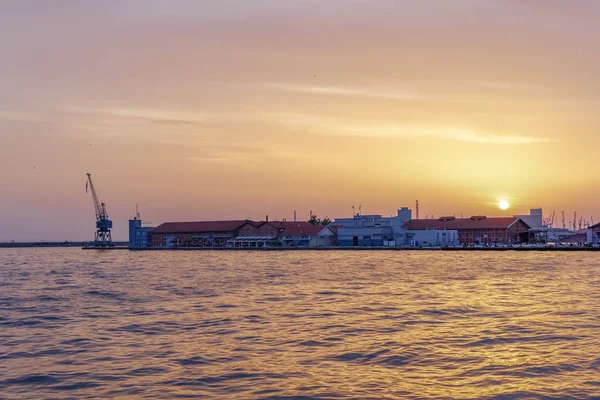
(374, 248)
(121, 246)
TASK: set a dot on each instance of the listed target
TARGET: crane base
(103, 238)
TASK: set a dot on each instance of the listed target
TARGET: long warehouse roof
(462, 223)
(200, 226)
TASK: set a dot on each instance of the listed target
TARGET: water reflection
(298, 325)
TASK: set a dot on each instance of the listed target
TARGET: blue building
(139, 234)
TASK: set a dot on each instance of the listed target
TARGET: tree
(314, 220)
(326, 221)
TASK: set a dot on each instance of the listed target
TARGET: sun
(503, 205)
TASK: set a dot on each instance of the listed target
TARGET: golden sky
(237, 109)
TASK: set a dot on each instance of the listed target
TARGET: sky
(234, 109)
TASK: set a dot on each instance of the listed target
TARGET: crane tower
(102, 237)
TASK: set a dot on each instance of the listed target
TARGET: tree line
(314, 220)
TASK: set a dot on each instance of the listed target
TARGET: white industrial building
(376, 230)
(535, 219)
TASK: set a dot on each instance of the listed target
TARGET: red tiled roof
(201, 226)
(250, 222)
(292, 228)
(301, 229)
(461, 223)
(274, 224)
(283, 224)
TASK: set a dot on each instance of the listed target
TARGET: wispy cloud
(323, 125)
(369, 129)
(228, 154)
(506, 85)
(345, 91)
(152, 115)
(13, 115)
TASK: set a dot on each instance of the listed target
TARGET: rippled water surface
(309, 325)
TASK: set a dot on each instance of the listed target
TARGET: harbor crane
(551, 220)
(102, 237)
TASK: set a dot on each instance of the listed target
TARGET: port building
(235, 233)
(195, 234)
(376, 230)
(364, 230)
(278, 233)
(356, 231)
(593, 235)
(477, 229)
(139, 233)
(535, 218)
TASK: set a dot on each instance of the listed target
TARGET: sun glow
(503, 205)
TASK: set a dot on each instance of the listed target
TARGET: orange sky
(237, 109)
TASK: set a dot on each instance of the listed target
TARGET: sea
(80, 324)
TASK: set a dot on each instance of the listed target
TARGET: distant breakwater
(53, 244)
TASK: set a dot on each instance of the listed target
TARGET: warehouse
(276, 233)
(237, 233)
(477, 229)
(300, 234)
(196, 234)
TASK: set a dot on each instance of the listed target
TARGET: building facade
(432, 237)
(139, 234)
(300, 234)
(237, 233)
(195, 234)
(593, 235)
(534, 220)
(376, 230)
(327, 237)
(477, 229)
(366, 236)
(363, 230)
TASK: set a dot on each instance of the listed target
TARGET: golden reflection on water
(417, 325)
